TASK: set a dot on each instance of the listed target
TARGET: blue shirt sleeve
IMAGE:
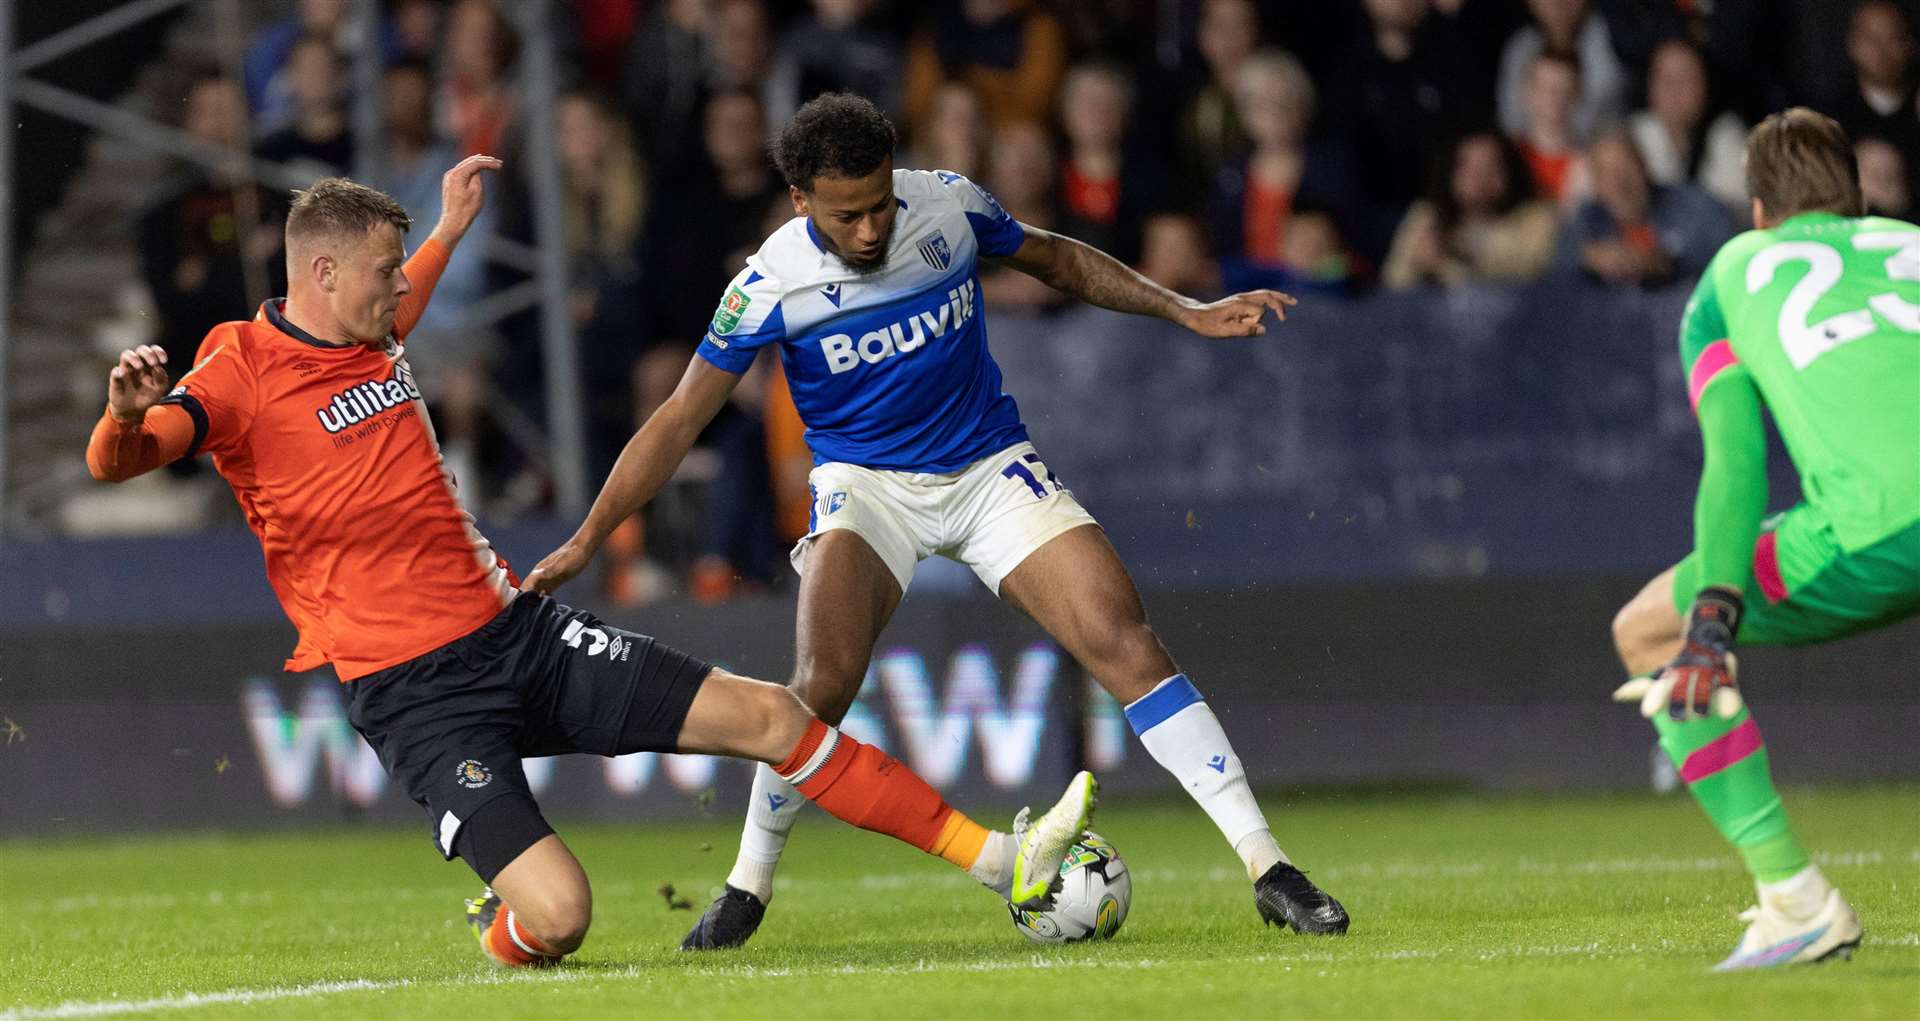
(747, 319)
(997, 233)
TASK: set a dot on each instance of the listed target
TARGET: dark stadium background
(1388, 538)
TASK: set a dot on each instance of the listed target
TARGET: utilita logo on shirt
(374, 397)
(843, 352)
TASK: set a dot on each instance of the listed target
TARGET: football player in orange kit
(311, 414)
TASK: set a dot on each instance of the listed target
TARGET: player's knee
(1635, 628)
(828, 688)
(558, 917)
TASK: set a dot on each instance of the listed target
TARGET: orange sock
(508, 942)
(961, 840)
(862, 785)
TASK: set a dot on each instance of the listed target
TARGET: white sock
(994, 867)
(1183, 735)
(770, 815)
(1800, 895)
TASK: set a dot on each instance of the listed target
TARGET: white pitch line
(99, 1008)
(102, 1008)
(919, 880)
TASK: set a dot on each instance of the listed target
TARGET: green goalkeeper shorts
(1810, 590)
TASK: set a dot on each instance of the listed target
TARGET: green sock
(1724, 764)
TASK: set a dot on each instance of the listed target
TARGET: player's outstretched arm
(128, 441)
(1097, 278)
(462, 197)
(649, 460)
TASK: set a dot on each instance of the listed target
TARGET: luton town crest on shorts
(936, 252)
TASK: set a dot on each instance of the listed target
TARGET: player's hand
(462, 195)
(138, 382)
(558, 568)
(1237, 315)
(1702, 679)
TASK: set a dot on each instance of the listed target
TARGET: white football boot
(1044, 842)
(1778, 935)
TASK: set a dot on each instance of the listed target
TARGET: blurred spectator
(738, 40)
(269, 90)
(416, 29)
(478, 101)
(1634, 231)
(318, 134)
(1253, 199)
(606, 209)
(1884, 179)
(1885, 99)
(699, 236)
(1012, 52)
(1550, 145)
(1210, 133)
(1481, 223)
(1174, 254)
(1403, 87)
(954, 136)
(604, 28)
(204, 233)
(1680, 144)
(1021, 173)
(1573, 27)
(1104, 185)
(413, 163)
(664, 83)
(1314, 259)
(840, 46)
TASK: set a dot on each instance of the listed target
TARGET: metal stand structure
(546, 261)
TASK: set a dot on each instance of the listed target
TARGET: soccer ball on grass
(1095, 891)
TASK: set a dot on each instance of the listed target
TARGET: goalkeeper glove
(1701, 679)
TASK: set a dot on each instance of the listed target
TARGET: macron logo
(1218, 763)
(843, 352)
(775, 801)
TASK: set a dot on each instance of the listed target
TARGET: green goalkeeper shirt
(1818, 319)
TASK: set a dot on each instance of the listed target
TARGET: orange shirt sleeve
(423, 271)
(219, 396)
(121, 450)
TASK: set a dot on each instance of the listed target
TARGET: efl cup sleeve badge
(472, 775)
(726, 318)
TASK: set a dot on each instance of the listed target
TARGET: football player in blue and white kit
(872, 294)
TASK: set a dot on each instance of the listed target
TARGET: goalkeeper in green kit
(1815, 316)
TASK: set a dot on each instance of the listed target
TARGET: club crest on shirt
(733, 305)
(473, 775)
(936, 252)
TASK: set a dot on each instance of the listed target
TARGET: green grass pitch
(1464, 906)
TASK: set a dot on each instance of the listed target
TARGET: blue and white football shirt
(890, 369)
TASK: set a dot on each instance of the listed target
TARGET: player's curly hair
(836, 134)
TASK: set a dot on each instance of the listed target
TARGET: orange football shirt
(331, 457)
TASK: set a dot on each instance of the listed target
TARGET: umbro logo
(306, 369)
(831, 292)
(775, 801)
(1218, 763)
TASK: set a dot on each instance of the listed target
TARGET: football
(1095, 891)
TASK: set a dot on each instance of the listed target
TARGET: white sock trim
(817, 759)
(513, 933)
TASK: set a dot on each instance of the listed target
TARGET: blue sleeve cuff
(998, 235)
(731, 358)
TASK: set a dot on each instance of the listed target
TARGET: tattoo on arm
(1095, 277)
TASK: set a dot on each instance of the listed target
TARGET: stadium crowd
(1326, 148)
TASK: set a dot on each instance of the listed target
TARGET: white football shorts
(990, 515)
